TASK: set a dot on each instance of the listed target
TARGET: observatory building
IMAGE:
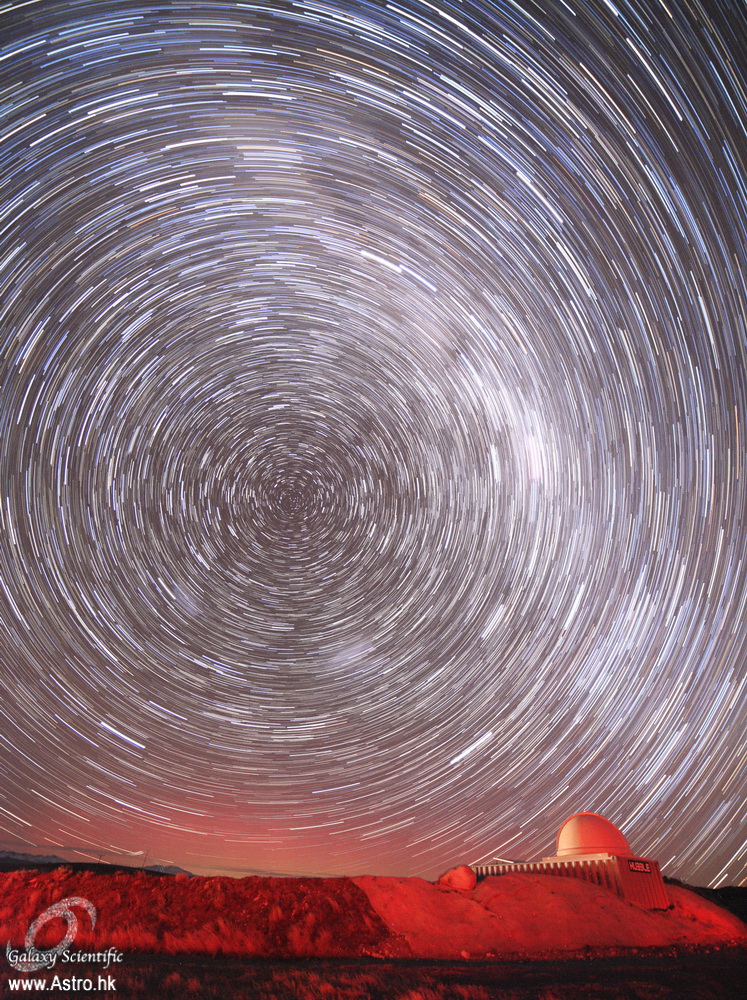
(589, 847)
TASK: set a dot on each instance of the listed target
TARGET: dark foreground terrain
(705, 975)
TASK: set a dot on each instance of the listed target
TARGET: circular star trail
(372, 438)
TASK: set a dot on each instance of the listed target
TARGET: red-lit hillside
(387, 917)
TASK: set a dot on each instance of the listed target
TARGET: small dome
(589, 833)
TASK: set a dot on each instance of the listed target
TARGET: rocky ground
(703, 975)
(383, 917)
(513, 937)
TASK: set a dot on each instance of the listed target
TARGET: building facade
(591, 848)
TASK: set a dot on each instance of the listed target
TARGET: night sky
(373, 404)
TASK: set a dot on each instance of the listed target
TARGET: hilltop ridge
(373, 916)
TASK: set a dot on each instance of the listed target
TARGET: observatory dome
(589, 833)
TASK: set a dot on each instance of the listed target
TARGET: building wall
(637, 880)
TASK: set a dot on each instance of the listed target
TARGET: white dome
(589, 833)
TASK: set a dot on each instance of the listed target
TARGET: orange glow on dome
(589, 833)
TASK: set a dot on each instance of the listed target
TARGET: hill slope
(528, 915)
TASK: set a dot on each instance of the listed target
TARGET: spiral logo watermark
(33, 959)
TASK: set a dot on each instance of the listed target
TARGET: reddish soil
(513, 916)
